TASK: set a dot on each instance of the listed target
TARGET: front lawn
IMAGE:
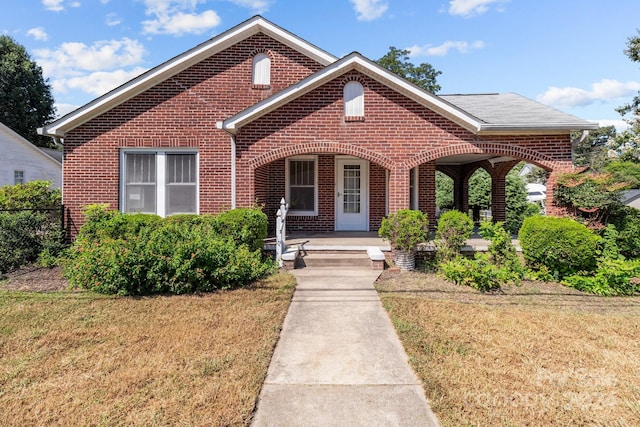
(539, 354)
(79, 358)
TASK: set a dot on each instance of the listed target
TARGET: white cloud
(38, 33)
(178, 17)
(99, 82)
(105, 54)
(53, 5)
(75, 4)
(368, 10)
(112, 19)
(257, 6)
(64, 109)
(604, 90)
(620, 125)
(469, 8)
(444, 48)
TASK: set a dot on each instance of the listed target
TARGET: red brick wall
(179, 112)
(397, 134)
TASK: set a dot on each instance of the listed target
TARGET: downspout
(233, 171)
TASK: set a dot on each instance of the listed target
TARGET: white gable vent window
(353, 101)
(261, 70)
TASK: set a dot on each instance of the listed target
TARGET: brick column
(498, 197)
(552, 180)
(427, 191)
(398, 189)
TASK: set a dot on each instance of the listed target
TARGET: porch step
(338, 259)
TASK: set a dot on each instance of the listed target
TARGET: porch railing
(281, 231)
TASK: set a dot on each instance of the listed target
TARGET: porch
(340, 248)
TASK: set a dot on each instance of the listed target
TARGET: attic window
(261, 71)
(353, 101)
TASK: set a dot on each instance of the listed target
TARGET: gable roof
(7, 134)
(480, 114)
(145, 81)
(498, 111)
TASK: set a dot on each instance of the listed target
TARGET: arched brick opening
(267, 185)
(497, 170)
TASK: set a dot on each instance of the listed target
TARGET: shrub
(243, 225)
(562, 245)
(104, 223)
(502, 252)
(20, 238)
(133, 254)
(627, 222)
(454, 229)
(478, 273)
(614, 277)
(405, 229)
(30, 195)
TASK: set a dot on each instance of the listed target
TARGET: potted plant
(404, 230)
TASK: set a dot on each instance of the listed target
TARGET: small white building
(536, 192)
(21, 161)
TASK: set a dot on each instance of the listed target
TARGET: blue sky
(564, 53)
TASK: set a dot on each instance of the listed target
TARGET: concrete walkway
(339, 361)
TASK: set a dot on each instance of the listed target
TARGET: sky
(568, 54)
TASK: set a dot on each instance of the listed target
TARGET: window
(353, 100)
(18, 177)
(413, 188)
(302, 189)
(162, 182)
(261, 70)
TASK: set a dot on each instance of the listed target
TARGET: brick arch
(515, 151)
(321, 148)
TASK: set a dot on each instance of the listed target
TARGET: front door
(352, 194)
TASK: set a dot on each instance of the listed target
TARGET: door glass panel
(351, 197)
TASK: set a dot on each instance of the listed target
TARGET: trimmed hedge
(133, 254)
(560, 245)
(454, 229)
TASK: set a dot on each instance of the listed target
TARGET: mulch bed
(34, 279)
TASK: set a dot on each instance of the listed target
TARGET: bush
(104, 223)
(30, 195)
(20, 238)
(454, 229)
(614, 277)
(134, 254)
(243, 225)
(405, 229)
(478, 273)
(561, 245)
(487, 272)
(627, 222)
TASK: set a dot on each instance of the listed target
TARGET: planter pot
(406, 260)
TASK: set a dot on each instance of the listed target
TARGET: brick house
(257, 114)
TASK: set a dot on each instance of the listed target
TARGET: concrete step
(323, 259)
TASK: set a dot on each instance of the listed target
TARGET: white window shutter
(353, 100)
(261, 69)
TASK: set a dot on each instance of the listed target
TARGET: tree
(26, 102)
(423, 75)
(444, 191)
(592, 151)
(626, 147)
(480, 189)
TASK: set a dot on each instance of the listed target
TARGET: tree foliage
(423, 75)
(480, 189)
(627, 144)
(444, 191)
(592, 151)
(26, 102)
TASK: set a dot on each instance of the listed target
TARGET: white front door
(352, 194)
